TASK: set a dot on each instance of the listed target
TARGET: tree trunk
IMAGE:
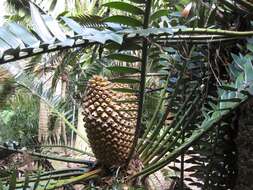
(59, 132)
(43, 122)
(43, 131)
(62, 123)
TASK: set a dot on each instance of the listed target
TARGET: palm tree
(55, 7)
(43, 122)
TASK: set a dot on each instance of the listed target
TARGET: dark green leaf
(121, 69)
(229, 88)
(1, 185)
(26, 183)
(64, 13)
(231, 100)
(123, 57)
(245, 92)
(36, 184)
(158, 14)
(125, 20)
(53, 5)
(13, 180)
(89, 21)
(125, 7)
(126, 46)
(138, 1)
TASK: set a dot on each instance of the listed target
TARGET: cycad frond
(89, 21)
(230, 97)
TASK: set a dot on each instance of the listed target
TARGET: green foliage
(166, 45)
(20, 117)
(89, 21)
(47, 180)
(122, 69)
(57, 105)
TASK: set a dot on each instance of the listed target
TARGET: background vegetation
(188, 62)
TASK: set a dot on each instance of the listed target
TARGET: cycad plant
(193, 94)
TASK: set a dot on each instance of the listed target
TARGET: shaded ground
(244, 143)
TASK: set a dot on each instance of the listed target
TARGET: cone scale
(109, 121)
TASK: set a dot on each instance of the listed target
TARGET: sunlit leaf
(124, 57)
(121, 69)
(138, 1)
(124, 7)
(40, 26)
(158, 14)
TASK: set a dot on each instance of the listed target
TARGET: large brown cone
(110, 123)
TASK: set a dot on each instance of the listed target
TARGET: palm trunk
(44, 112)
(59, 132)
(62, 124)
(43, 122)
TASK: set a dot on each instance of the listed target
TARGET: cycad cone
(109, 121)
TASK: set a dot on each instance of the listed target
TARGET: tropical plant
(200, 94)
(20, 117)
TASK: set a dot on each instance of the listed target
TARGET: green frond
(89, 21)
